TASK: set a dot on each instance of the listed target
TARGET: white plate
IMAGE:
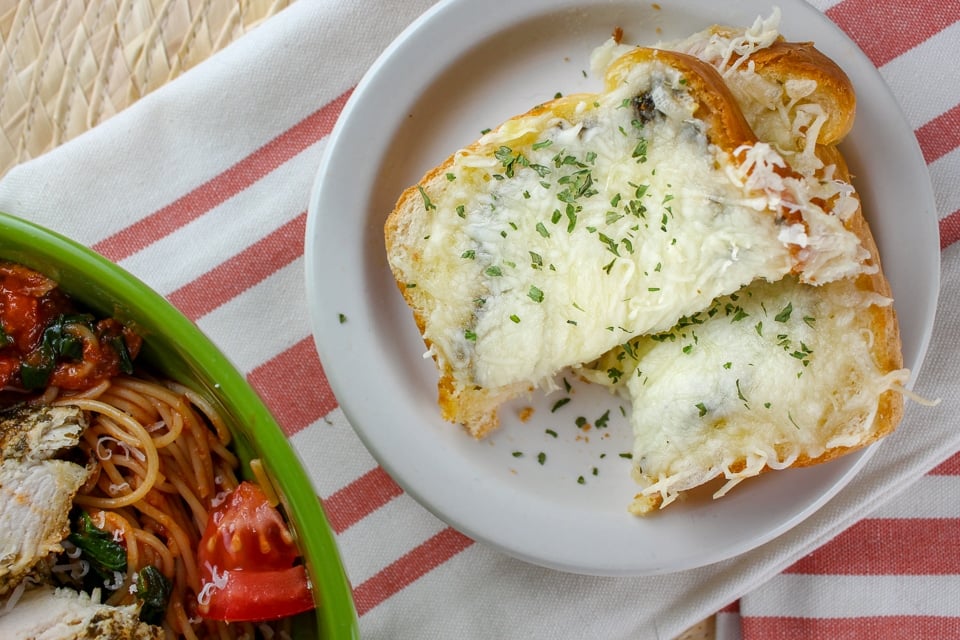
(468, 65)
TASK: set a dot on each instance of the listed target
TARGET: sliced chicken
(46, 613)
(38, 433)
(35, 500)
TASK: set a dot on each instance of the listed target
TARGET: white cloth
(212, 155)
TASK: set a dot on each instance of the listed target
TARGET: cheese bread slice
(778, 374)
(597, 218)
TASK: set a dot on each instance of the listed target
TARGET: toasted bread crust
(783, 61)
(883, 324)
(727, 127)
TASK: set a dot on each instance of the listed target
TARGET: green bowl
(174, 347)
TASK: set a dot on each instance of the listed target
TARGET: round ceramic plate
(559, 501)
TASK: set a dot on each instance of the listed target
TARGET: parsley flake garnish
(740, 395)
(784, 315)
(571, 218)
(640, 151)
(794, 422)
(427, 203)
(602, 421)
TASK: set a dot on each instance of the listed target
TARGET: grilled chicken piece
(38, 433)
(35, 492)
(35, 501)
(63, 614)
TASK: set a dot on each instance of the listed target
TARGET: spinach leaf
(105, 555)
(153, 590)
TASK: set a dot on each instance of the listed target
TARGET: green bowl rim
(52, 253)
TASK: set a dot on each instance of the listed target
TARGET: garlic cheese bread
(688, 236)
(596, 218)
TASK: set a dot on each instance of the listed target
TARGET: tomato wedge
(248, 564)
(255, 596)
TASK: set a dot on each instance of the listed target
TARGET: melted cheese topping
(553, 241)
(776, 112)
(771, 373)
(719, 49)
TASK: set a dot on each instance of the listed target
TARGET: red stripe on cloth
(949, 229)
(949, 467)
(886, 627)
(733, 607)
(350, 504)
(941, 135)
(249, 267)
(408, 568)
(294, 387)
(224, 186)
(884, 29)
(875, 546)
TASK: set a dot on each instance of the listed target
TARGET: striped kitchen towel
(201, 190)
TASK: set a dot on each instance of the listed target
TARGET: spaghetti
(162, 463)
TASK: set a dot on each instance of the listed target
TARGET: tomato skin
(246, 559)
(245, 532)
(255, 596)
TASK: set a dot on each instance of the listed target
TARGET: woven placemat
(67, 65)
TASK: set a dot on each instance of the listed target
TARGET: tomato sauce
(45, 340)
